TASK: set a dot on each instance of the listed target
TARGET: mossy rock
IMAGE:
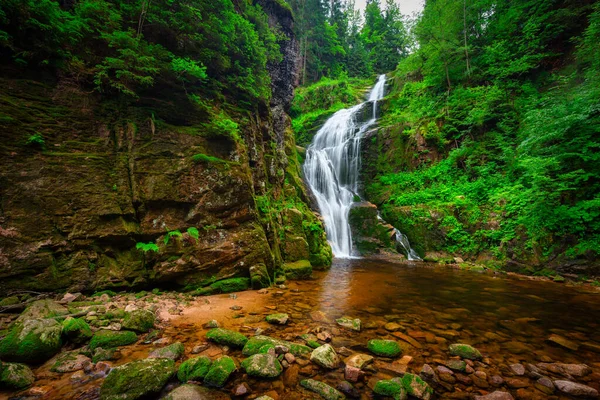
(219, 372)
(464, 351)
(323, 389)
(69, 361)
(205, 291)
(137, 379)
(384, 348)
(325, 356)
(139, 321)
(173, 352)
(391, 388)
(298, 270)
(227, 337)
(76, 330)
(259, 276)
(111, 339)
(15, 376)
(101, 354)
(416, 387)
(32, 341)
(117, 313)
(195, 392)
(194, 369)
(231, 285)
(261, 344)
(9, 301)
(277, 319)
(349, 323)
(262, 366)
(42, 309)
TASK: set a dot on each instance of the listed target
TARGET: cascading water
(332, 166)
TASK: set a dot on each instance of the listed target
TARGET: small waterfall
(332, 166)
(402, 240)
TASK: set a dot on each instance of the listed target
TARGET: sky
(406, 6)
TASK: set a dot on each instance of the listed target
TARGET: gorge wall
(111, 175)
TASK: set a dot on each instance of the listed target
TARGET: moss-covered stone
(464, 351)
(231, 285)
(137, 379)
(69, 361)
(219, 372)
(9, 301)
(15, 376)
(173, 352)
(325, 356)
(262, 366)
(384, 348)
(32, 341)
(298, 270)
(391, 388)
(76, 330)
(416, 387)
(108, 354)
(323, 389)
(259, 276)
(456, 365)
(195, 392)
(117, 313)
(111, 339)
(227, 337)
(261, 344)
(349, 323)
(369, 233)
(42, 309)
(139, 321)
(194, 369)
(277, 319)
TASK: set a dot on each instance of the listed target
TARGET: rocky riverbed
(366, 329)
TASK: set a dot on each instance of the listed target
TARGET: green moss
(76, 330)
(173, 351)
(227, 337)
(259, 276)
(117, 313)
(32, 341)
(390, 388)
(139, 321)
(323, 389)
(194, 369)
(262, 366)
(298, 270)
(101, 354)
(111, 339)
(416, 387)
(261, 344)
(219, 372)
(464, 351)
(231, 285)
(384, 348)
(9, 301)
(15, 376)
(137, 379)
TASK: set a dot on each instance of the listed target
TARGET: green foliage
(193, 232)
(36, 140)
(203, 158)
(146, 247)
(176, 233)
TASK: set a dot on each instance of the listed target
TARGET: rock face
(137, 379)
(129, 179)
(369, 233)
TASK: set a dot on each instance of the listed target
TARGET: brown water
(508, 318)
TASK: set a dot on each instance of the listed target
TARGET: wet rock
(262, 366)
(199, 348)
(464, 351)
(278, 319)
(384, 348)
(516, 383)
(396, 367)
(416, 387)
(324, 336)
(195, 392)
(76, 330)
(391, 388)
(15, 376)
(325, 356)
(264, 397)
(427, 373)
(259, 276)
(80, 377)
(515, 347)
(101, 354)
(575, 389)
(219, 372)
(497, 395)
(348, 390)
(545, 385)
(496, 380)
(241, 390)
(226, 337)
(281, 349)
(517, 369)
(212, 324)
(319, 316)
(323, 389)
(349, 323)
(352, 374)
(107, 339)
(567, 370)
(590, 346)
(32, 341)
(261, 344)
(101, 369)
(407, 339)
(70, 361)
(563, 342)
(289, 357)
(173, 352)
(137, 379)
(231, 285)
(70, 297)
(480, 379)
(358, 360)
(392, 327)
(298, 270)
(456, 365)
(139, 321)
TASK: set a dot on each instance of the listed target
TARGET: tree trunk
(465, 35)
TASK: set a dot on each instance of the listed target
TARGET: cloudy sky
(406, 6)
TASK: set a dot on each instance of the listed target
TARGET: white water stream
(332, 168)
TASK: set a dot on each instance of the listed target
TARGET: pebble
(517, 369)
(545, 385)
(241, 390)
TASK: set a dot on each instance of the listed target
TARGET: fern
(171, 234)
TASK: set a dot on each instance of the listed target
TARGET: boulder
(139, 321)
(231, 285)
(259, 276)
(464, 351)
(323, 389)
(107, 339)
(32, 341)
(325, 356)
(384, 348)
(194, 369)
(76, 330)
(416, 387)
(70, 361)
(219, 372)
(173, 352)
(262, 366)
(137, 379)
(15, 376)
(261, 344)
(349, 323)
(227, 337)
(391, 388)
(298, 270)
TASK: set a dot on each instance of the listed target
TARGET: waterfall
(332, 166)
